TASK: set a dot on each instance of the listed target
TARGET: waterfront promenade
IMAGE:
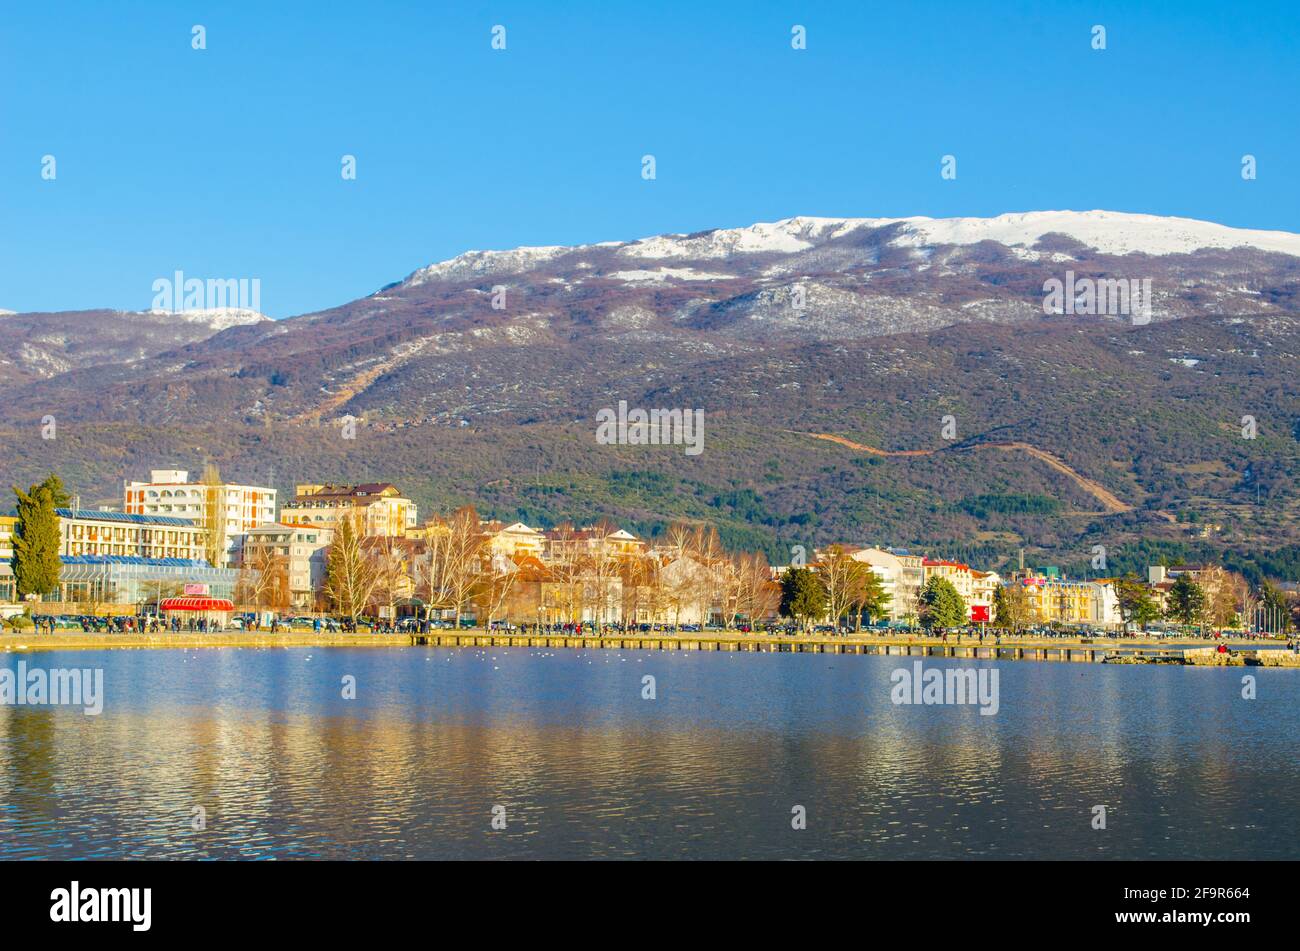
(76, 640)
(1069, 650)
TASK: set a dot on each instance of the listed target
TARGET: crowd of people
(119, 624)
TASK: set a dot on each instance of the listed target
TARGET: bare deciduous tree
(493, 583)
(263, 580)
(446, 570)
(391, 563)
(349, 574)
(844, 579)
(214, 516)
(757, 595)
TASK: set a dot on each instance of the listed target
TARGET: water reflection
(284, 767)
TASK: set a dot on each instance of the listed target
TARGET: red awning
(196, 604)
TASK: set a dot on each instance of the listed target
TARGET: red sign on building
(979, 612)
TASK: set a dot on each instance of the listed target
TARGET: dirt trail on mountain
(1113, 504)
(359, 383)
(349, 389)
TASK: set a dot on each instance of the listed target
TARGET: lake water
(282, 766)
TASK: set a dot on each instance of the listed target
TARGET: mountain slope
(536, 313)
(38, 346)
(866, 330)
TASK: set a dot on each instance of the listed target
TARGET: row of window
(189, 494)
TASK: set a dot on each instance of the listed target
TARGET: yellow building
(383, 510)
(1058, 601)
(7, 524)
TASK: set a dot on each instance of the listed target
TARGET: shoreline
(1072, 650)
(234, 639)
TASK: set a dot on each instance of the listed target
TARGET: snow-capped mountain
(471, 372)
(1104, 232)
(532, 316)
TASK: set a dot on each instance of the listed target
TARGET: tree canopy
(803, 596)
(36, 563)
(941, 605)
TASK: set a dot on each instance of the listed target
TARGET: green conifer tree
(36, 563)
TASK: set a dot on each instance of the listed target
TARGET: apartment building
(299, 551)
(381, 507)
(902, 575)
(1160, 574)
(228, 508)
(984, 586)
(957, 572)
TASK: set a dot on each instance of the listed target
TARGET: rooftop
(134, 560)
(305, 493)
(125, 517)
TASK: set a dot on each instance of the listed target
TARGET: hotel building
(85, 532)
(1055, 600)
(233, 509)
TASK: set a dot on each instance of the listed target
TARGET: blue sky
(226, 162)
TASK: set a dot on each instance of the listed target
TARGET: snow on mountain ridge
(218, 318)
(473, 263)
(1109, 232)
(786, 237)
(662, 274)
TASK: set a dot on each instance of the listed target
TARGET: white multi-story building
(1103, 606)
(984, 587)
(514, 540)
(171, 493)
(901, 574)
